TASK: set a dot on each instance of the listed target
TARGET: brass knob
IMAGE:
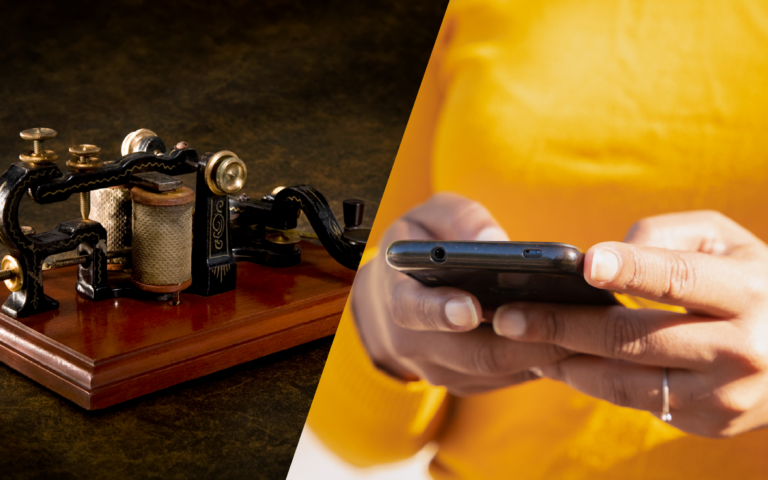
(10, 271)
(38, 155)
(225, 173)
(84, 157)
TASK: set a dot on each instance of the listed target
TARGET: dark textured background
(315, 92)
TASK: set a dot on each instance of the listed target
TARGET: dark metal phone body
(500, 272)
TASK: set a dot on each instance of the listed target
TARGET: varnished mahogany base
(98, 354)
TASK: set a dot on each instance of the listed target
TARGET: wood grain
(98, 354)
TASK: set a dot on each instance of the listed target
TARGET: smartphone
(501, 272)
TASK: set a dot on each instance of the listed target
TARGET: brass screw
(225, 173)
(10, 272)
(85, 204)
(38, 155)
(84, 159)
(68, 262)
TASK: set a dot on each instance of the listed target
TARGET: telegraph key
(145, 235)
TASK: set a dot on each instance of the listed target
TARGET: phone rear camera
(531, 253)
(438, 254)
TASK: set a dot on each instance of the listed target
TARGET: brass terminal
(38, 155)
(84, 159)
(10, 271)
(225, 173)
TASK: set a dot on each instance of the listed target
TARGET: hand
(417, 332)
(716, 353)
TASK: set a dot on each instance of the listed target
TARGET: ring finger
(627, 384)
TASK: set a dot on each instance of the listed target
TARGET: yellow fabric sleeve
(366, 416)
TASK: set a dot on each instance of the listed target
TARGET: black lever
(353, 213)
(353, 218)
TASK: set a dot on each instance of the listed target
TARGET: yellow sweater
(569, 120)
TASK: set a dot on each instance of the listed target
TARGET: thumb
(447, 216)
(693, 280)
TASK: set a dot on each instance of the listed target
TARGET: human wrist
(378, 353)
(365, 315)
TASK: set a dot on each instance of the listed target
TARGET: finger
(704, 231)
(650, 337)
(447, 216)
(417, 307)
(698, 281)
(462, 385)
(479, 352)
(626, 384)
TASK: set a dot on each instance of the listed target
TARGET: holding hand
(413, 331)
(716, 353)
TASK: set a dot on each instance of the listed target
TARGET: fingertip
(509, 321)
(492, 234)
(461, 313)
(602, 264)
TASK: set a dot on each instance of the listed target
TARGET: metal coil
(162, 239)
(112, 208)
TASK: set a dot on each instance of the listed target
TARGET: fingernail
(536, 371)
(492, 234)
(461, 312)
(509, 322)
(605, 266)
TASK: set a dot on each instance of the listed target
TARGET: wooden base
(99, 354)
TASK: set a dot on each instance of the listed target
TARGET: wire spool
(111, 207)
(162, 239)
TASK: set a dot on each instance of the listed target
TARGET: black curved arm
(281, 213)
(178, 162)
